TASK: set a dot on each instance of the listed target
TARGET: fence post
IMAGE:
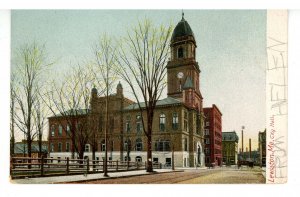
(67, 171)
(42, 166)
(87, 165)
(117, 165)
(145, 165)
(11, 166)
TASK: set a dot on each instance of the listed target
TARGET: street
(223, 175)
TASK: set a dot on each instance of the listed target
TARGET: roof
(73, 112)
(163, 102)
(188, 83)
(230, 136)
(20, 148)
(182, 29)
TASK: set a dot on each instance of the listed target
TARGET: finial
(182, 14)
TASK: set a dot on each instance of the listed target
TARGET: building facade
(230, 147)
(178, 119)
(262, 148)
(213, 136)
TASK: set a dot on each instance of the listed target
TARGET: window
(185, 145)
(185, 125)
(207, 151)
(138, 124)
(68, 130)
(127, 145)
(87, 148)
(52, 147)
(206, 131)
(206, 141)
(138, 159)
(127, 126)
(103, 145)
(138, 145)
(162, 122)
(180, 52)
(207, 124)
(59, 130)
(67, 147)
(59, 147)
(175, 121)
(52, 130)
(129, 159)
(162, 145)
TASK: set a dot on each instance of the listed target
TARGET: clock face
(180, 75)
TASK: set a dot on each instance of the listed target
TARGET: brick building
(178, 119)
(213, 135)
(230, 147)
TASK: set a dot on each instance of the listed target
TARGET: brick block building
(213, 136)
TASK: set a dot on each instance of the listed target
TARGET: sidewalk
(88, 177)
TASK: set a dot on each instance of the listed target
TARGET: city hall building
(178, 119)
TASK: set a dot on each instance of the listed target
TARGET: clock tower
(182, 70)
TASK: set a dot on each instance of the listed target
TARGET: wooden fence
(36, 167)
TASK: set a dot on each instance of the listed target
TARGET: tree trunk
(29, 150)
(149, 140)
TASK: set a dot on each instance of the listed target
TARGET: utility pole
(243, 127)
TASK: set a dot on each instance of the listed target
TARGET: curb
(126, 176)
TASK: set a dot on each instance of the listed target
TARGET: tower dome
(182, 29)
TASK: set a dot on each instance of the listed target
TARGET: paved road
(219, 175)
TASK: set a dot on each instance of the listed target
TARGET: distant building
(245, 156)
(230, 147)
(262, 147)
(20, 149)
(213, 135)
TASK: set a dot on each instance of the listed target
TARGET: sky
(231, 51)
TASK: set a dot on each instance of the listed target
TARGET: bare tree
(69, 103)
(12, 113)
(105, 63)
(40, 121)
(142, 64)
(30, 66)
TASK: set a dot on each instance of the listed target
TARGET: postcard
(148, 96)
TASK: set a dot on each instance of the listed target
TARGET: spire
(182, 14)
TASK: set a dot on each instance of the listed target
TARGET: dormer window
(180, 52)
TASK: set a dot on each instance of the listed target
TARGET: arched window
(59, 130)
(180, 52)
(162, 122)
(175, 121)
(138, 144)
(138, 159)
